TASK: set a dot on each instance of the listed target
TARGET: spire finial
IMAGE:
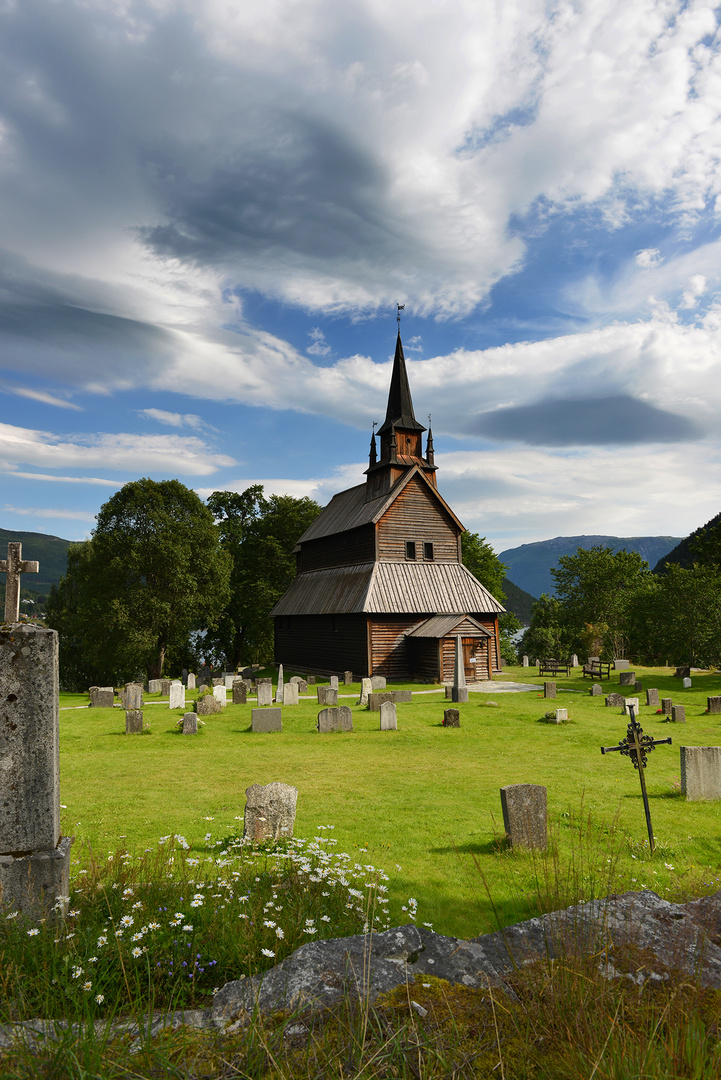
(398, 315)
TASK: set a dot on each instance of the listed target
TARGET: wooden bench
(597, 669)
(553, 667)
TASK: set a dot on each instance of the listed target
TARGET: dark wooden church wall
(342, 549)
(424, 656)
(416, 515)
(323, 643)
(390, 654)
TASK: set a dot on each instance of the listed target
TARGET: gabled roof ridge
(402, 482)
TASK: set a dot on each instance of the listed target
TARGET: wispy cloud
(46, 512)
(173, 419)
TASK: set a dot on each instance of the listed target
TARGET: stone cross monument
(13, 567)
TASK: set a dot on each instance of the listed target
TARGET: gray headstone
(219, 694)
(378, 682)
(638, 686)
(525, 815)
(334, 682)
(561, 715)
(652, 697)
(713, 704)
(574, 661)
(666, 706)
(459, 694)
(155, 686)
(133, 696)
(366, 689)
(347, 678)
(701, 772)
(240, 692)
(627, 703)
(176, 697)
(627, 678)
(101, 697)
(265, 720)
(191, 681)
(310, 679)
(290, 693)
(619, 665)
(184, 676)
(280, 689)
(265, 692)
(208, 706)
(164, 687)
(327, 695)
(448, 687)
(459, 668)
(687, 683)
(34, 861)
(302, 686)
(218, 680)
(678, 714)
(228, 680)
(190, 723)
(549, 690)
(389, 721)
(203, 688)
(451, 718)
(335, 719)
(134, 722)
(269, 810)
(596, 690)
(615, 700)
(525, 660)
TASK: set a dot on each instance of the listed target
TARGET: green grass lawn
(423, 802)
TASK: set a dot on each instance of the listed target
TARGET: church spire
(373, 458)
(400, 406)
(430, 457)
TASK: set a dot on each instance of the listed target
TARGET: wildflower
(87, 986)
(136, 952)
(93, 960)
(137, 937)
(668, 866)
(100, 998)
(33, 933)
(127, 892)
(179, 914)
(310, 929)
(188, 927)
(153, 926)
(278, 932)
(136, 905)
(196, 903)
(269, 923)
(71, 914)
(325, 918)
(102, 940)
(12, 915)
(77, 972)
(267, 952)
(127, 920)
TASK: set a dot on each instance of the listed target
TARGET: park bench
(597, 669)
(553, 667)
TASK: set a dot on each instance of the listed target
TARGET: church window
(410, 549)
(428, 551)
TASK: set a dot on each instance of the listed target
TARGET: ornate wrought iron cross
(13, 567)
(637, 746)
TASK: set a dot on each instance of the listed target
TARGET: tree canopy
(479, 557)
(153, 571)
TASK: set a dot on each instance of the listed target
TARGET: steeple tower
(400, 435)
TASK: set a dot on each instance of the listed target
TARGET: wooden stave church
(380, 588)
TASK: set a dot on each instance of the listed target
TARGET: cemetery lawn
(422, 803)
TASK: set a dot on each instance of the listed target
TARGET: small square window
(410, 549)
(428, 551)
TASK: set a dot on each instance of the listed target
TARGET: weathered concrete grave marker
(525, 815)
(280, 690)
(13, 567)
(389, 720)
(269, 811)
(459, 692)
(636, 745)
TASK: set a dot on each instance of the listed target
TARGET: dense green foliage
(259, 535)
(153, 572)
(518, 601)
(480, 558)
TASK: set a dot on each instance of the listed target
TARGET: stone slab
(561, 716)
(339, 718)
(652, 698)
(327, 695)
(134, 722)
(240, 692)
(220, 695)
(133, 696)
(290, 693)
(266, 720)
(701, 772)
(176, 697)
(678, 714)
(525, 816)
(31, 883)
(208, 706)
(666, 705)
(451, 718)
(165, 687)
(366, 690)
(101, 697)
(269, 810)
(334, 682)
(459, 694)
(627, 703)
(264, 689)
(378, 682)
(190, 723)
(615, 700)
(627, 678)
(549, 689)
(687, 683)
(347, 678)
(155, 686)
(191, 681)
(713, 704)
(596, 690)
(525, 661)
(389, 721)
(621, 665)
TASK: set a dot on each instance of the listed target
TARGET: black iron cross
(637, 746)
(14, 566)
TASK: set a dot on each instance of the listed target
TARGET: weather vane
(398, 315)
(374, 426)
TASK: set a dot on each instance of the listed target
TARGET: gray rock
(266, 720)
(269, 809)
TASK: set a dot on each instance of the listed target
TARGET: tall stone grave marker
(701, 772)
(190, 723)
(134, 722)
(366, 689)
(240, 692)
(265, 691)
(525, 660)
(334, 682)
(525, 815)
(155, 686)
(574, 661)
(191, 681)
(290, 693)
(219, 695)
(713, 704)
(13, 567)
(269, 811)
(549, 689)
(678, 714)
(389, 721)
(379, 682)
(133, 695)
(280, 690)
(176, 697)
(347, 678)
(652, 697)
(460, 691)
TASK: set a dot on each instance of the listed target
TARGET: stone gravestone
(265, 691)
(525, 815)
(13, 567)
(451, 718)
(290, 693)
(228, 679)
(389, 720)
(713, 704)
(682, 672)
(366, 689)
(666, 706)
(266, 720)
(638, 686)
(621, 665)
(652, 697)
(208, 706)
(327, 695)
(627, 678)
(269, 810)
(164, 687)
(379, 682)
(133, 696)
(460, 690)
(574, 661)
(34, 856)
(448, 687)
(310, 679)
(339, 718)
(184, 676)
(687, 683)
(525, 660)
(219, 695)
(280, 689)
(596, 690)
(561, 716)
(628, 703)
(678, 714)
(614, 700)
(155, 686)
(176, 697)
(219, 681)
(134, 722)
(701, 772)
(240, 692)
(191, 681)
(190, 723)
(334, 682)
(101, 697)
(347, 678)
(549, 689)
